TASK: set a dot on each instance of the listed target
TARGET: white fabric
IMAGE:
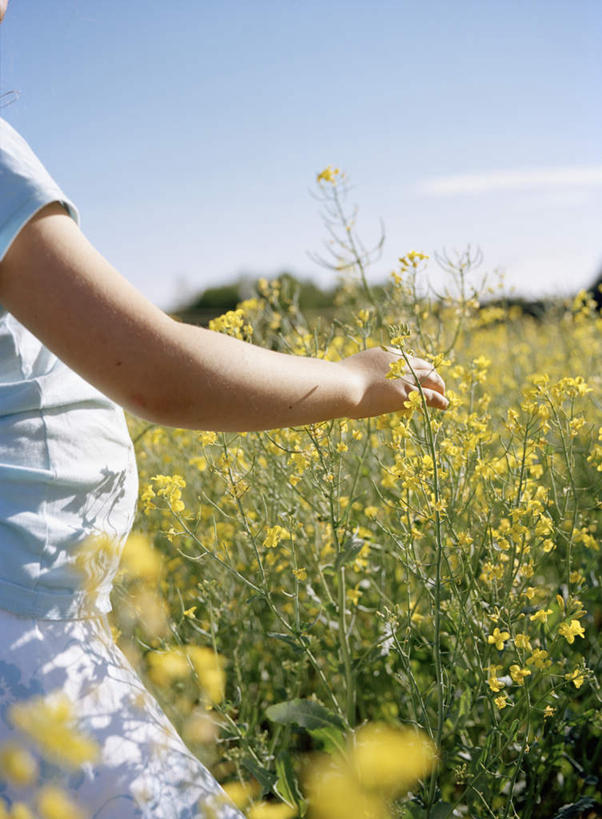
(145, 771)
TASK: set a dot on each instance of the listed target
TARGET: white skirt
(145, 769)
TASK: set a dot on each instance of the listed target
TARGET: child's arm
(84, 311)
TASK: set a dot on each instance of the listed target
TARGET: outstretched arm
(84, 311)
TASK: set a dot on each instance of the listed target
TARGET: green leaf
(306, 713)
(347, 556)
(286, 639)
(287, 786)
(266, 778)
(465, 703)
(332, 739)
(442, 810)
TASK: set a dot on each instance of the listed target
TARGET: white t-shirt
(67, 466)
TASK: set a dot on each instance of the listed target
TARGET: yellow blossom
(335, 793)
(54, 803)
(209, 668)
(391, 758)
(541, 616)
(19, 811)
(50, 722)
(501, 701)
(522, 641)
(207, 438)
(576, 676)
(539, 659)
(494, 683)
(274, 535)
(518, 674)
(140, 558)
(241, 792)
(498, 638)
(271, 810)
(571, 630)
(17, 764)
(329, 174)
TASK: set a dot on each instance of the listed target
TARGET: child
(77, 343)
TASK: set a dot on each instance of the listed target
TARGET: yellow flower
(518, 674)
(50, 722)
(539, 659)
(495, 684)
(53, 803)
(274, 535)
(241, 792)
(17, 764)
(354, 595)
(199, 461)
(529, 592)
(541, 616)
(576, 676)
(271, 810)
(140, 558)
(572, 630)
(548, 711)
(232, 323)
(501, 701)
(170, 487)
(19, 811)
(209, 668)
(95, 557)
(165, 667)
(498, 638)
(207, 438)
(391, 758)
(329, 174)
(522, 641)
(300, 574)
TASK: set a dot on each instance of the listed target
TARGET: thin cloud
(512, 180)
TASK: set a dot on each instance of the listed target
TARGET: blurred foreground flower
(54, 803)
(383, 763)
(17, 764)
(166, 667)
(49, 721)
(140, 558)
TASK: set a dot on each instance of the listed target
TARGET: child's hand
(377, 395)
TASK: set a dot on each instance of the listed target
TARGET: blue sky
(189, 133)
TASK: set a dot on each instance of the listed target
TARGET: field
(397, 616)
(387, 617)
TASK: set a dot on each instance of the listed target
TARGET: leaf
(347, 556)
(465, 703)
(442, 810)
(286, 639)
(576, 809)
(332, 739)
(266, 778)
(306, 713)
(287, 786)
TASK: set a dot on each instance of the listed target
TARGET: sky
(189, 133)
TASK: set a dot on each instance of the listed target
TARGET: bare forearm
(211, 381)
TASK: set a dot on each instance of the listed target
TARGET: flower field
(388, 617)
(396, 616)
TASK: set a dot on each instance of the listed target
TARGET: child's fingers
(433, 398)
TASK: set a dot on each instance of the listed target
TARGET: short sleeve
(25, 186)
